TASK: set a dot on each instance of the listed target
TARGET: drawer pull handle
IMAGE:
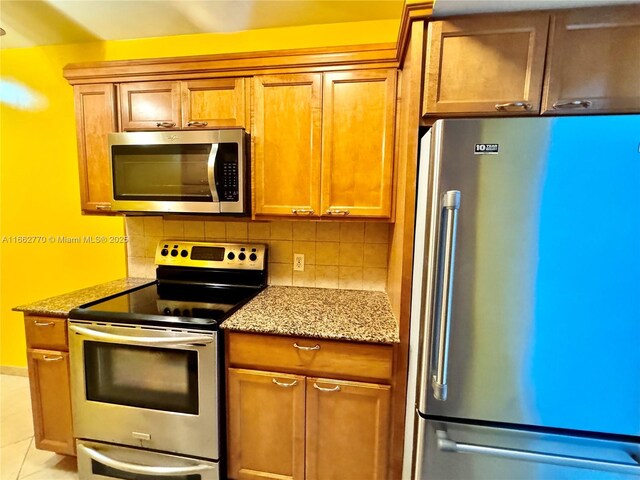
(46, 358)
(197, 124)
(166, 124)
(300, 347)
(334, 389)
(338, 212)
(518, 105)
(285, 385)
(572, 104)
(43, 324)
(302, 211)
(103, 207)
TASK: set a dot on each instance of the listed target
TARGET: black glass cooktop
(186, 306)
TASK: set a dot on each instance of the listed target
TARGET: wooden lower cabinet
(51, 400)
(266, 425)
(48, 362)
(347, 426)
(284, 426)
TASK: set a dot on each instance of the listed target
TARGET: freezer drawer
(101, 461)
(453, 451)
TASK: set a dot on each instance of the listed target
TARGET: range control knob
(242, 256)
(253, 257)
(174, 253)
(176, 312)
(167, 311)
(231, 256)
(164, 252)
(184, 253)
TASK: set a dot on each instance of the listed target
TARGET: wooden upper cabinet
(287, 144)
(95, 118)
(218, 102)
(347, 430)
(489, 65)
(593, 62)
(266, 425)
(210, 103)
(357, 149)
(149, 105)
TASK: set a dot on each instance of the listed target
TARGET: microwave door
(211, 173)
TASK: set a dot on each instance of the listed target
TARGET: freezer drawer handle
(142, 469)
(141, 340)
(445, 444)
(451, 205)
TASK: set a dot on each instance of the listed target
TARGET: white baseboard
(18, 371)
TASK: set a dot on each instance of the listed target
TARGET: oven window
(146, 377)
(161, 172)
(100, 469)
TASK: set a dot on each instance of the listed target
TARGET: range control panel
(240, 256)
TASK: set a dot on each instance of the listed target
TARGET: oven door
(145, 386)
(97, 461)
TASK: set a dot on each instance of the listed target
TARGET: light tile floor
(18, 455)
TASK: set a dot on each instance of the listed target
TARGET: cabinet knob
(197, 124)
(517, 105)
(572, 104)
(338, 212)
(322, 389)
(166, 124)
(302, 211)
(285, 385)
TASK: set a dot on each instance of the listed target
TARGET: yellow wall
(39, 193)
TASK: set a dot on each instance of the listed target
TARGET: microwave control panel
(227, 175)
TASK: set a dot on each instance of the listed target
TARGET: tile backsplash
(349, 255)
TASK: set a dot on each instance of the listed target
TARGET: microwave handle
(211, 172)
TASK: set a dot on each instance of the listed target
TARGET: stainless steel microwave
(204, 171)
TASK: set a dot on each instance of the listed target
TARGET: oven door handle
(141, 340)
(142, 469)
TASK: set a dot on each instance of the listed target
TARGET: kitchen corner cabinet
(303, 408)
(218, 102)
(48, 363)
(593, 61)
(491, 64)
(95, 107)
(324, 144)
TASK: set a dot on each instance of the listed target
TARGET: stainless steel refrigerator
(525, 328)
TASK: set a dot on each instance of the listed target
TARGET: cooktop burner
(196, 293)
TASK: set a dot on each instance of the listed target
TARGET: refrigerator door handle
(451, 205)
(445, 444)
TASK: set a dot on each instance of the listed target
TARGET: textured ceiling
(49, 22)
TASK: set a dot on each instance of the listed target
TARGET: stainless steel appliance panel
(541, 322)
(453, 451)
(147, 387)
(99, 461)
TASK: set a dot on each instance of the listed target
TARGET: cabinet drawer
(46, 332)
(311, 356)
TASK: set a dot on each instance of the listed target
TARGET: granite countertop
(61, 305)
(356, 315)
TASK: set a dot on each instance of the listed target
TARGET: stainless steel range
(146, 365)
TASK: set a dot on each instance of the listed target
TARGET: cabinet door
(215, 102)
(287, 135)
(358, 117)
(51, 400)
(492, 65)
(347, 430)
(150, 105)
(266, 425)
(95, 119)
(593, 63)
